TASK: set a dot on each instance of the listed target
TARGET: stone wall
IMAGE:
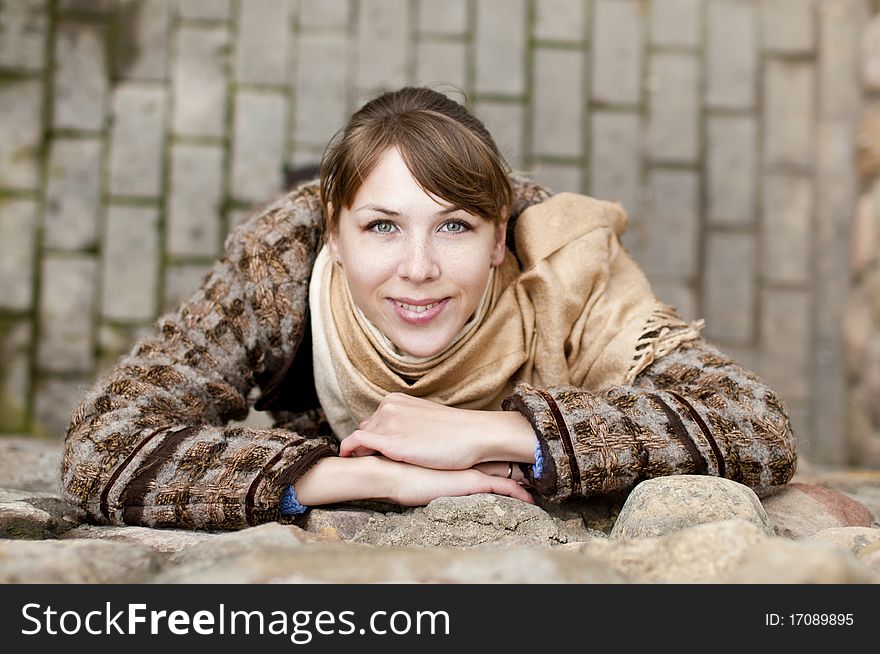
(134, 133)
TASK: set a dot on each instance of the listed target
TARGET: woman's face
(415, 266)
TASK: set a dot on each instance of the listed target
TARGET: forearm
(343, 479)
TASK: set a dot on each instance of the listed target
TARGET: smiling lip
(417, 312)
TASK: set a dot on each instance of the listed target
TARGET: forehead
(392, 185)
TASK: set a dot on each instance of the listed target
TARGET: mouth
(417, 312)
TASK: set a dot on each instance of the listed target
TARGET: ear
(500, 248)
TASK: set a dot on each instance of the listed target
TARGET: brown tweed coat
(150, 443)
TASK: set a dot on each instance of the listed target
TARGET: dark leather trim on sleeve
(565, 437)
(678, 430)
(136, 490)
(706, 432)
(105, 509)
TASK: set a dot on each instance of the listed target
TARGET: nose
(419, 262)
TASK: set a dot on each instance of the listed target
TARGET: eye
(455, 227)
(380, 227)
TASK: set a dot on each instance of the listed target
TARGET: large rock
(699, 554)
(159, 540)
(851, 539)
(781, 561)
(473, 521)
(801, 510)
(361, 564)
(665, 505)
(343, 523)
(862, 485)
(75, 562)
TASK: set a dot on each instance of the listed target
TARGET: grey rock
(351, 563)
(700, 554)
(34, 515)
(75, 562)
(159, 540)
(665, 505)
(473, 521)
(781, 561)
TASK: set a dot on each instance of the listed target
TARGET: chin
(423, 349)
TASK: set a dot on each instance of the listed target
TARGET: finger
(513, 489)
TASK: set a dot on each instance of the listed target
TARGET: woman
(421, 324)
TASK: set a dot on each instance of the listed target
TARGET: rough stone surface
(778, 561)
(801, 510)
(28, 515)
(853, 539)
(75, 562)
(472, 521)
(343, 522)
(165, 541)
(698, 554)
(30, 464)
(665, 505)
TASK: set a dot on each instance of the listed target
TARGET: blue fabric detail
(289, 505)
(538, 468)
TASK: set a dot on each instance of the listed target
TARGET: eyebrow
(391, 212)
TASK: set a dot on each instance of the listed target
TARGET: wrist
(509, 437)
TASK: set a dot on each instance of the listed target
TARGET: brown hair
(449, 152)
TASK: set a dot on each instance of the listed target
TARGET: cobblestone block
(679, 295)
(504, 121)
(235, 217)
(500, 41)
(676, 23)
(788, 26)
(130, 263)
(560, 20)
(840, 92)
(382, 45)
(54, 403)
(20, 133)
(136, 140)
(785, 342)
(258, 148)
(193, 218)
(323, 14)
(80, 90)
(205, 9)
(23, 31)
(786, 228)
(731, 53)
(66, 311)
(441, 61)
(181, 281)
(558, 177)
(557, 123)
(263, 33)
(320, 89)
(789, 114)
(199, 81)
(618, 47)
(73, 194)
(448, 17)
(668, 229)
(615, 158)
(673, 114)
(143, 44)
(729, 291)
(15, 343)
(732, 161)
(17, 237)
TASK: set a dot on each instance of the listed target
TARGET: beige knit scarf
(576, 310)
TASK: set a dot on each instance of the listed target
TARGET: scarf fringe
(663, 332)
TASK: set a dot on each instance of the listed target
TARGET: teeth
(417, 309)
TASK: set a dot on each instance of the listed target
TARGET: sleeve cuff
(289, 505)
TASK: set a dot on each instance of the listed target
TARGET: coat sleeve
(693, 411)
(149, 443)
